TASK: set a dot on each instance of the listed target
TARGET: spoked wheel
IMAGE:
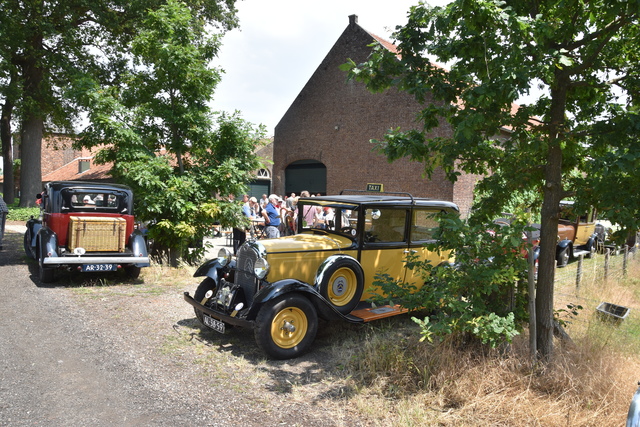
(286, 326)
(342, 284)
(208, 284)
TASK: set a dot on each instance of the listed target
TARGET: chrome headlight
(261, 268)
(224, 256)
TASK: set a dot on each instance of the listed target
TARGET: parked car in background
(576, 234)
(88, 227)
(281, 287)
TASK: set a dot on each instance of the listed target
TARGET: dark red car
(87, 227)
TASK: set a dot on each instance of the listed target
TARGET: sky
(280, 43)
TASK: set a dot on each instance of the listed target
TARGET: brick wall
(332, 121)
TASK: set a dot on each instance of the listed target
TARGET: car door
(384, 244)
(423, 226)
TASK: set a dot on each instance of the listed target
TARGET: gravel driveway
(82, 352)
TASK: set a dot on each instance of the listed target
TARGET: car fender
(47, 243)
(592, 241)
(563, 244)
(285, 286)
(138, 244)
(327, 263)
(33, 227)
(212, 268)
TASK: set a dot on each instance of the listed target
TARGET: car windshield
(338, 218)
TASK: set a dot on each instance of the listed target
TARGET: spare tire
(341, 282)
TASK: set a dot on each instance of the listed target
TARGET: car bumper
(223, 317)
(57, 261)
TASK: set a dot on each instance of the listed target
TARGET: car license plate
(99, 267)
(214, 324)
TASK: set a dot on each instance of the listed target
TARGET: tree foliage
(483, 295)
(578, 138)
(49, 47)
(157, 129)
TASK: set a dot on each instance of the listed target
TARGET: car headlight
(261, 268)
(224, 256)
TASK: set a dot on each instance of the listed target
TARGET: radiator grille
(245, 276)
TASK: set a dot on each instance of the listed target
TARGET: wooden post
(624, 261)
(606, 264)
(579, 272)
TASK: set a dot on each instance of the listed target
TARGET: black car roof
(59, 185)
(380, 200)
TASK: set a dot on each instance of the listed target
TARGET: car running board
(369, 314)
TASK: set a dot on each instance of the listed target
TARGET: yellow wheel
(341, 282)
(285, 327)
(342, 287)
(289, 327)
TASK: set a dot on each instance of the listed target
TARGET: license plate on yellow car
(214, 324)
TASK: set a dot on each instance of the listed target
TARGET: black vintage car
(281, 287)
(87, 227)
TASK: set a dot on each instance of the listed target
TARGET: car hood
(306, 242)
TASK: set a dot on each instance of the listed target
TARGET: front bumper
(223, 317)
(140, 261)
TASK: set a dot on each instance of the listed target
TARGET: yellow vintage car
(280, 287)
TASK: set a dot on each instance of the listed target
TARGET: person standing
(240, 234)
(271, 216)
(4, 210)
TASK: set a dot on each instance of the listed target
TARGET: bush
(21, 214)
(482, 296)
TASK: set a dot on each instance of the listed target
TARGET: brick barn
(322, 143)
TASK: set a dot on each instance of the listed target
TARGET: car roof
(379, 200)
(85, 185)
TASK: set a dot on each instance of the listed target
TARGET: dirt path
(133, 355)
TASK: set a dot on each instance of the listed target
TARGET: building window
(263, 173)
(83, 165)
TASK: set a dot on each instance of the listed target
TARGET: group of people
(274, 216)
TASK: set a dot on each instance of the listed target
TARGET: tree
(584, 56)
(54, 44)
(155, 126)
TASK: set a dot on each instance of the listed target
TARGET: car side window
(424, 224)
(385, 225)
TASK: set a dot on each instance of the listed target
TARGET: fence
(590, 282)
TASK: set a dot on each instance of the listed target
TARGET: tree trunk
(552, 194)
(8, 185)
(31, 165)
(32, 125)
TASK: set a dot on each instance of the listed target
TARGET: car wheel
(342, 285)
(208, 284)
(286, 326)
(563, 257)
(46, 274)
(132, 271)
(27, 245)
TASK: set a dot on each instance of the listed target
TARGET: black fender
(33, 227)
(591, 243)
(213, 269)
(138, 245)
(328, 263)
(277, 289)
(563, 244)
(47, 245)
(536, 253)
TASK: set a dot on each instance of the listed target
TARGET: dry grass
(401, 381)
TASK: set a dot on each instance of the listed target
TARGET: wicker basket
(96, 234)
